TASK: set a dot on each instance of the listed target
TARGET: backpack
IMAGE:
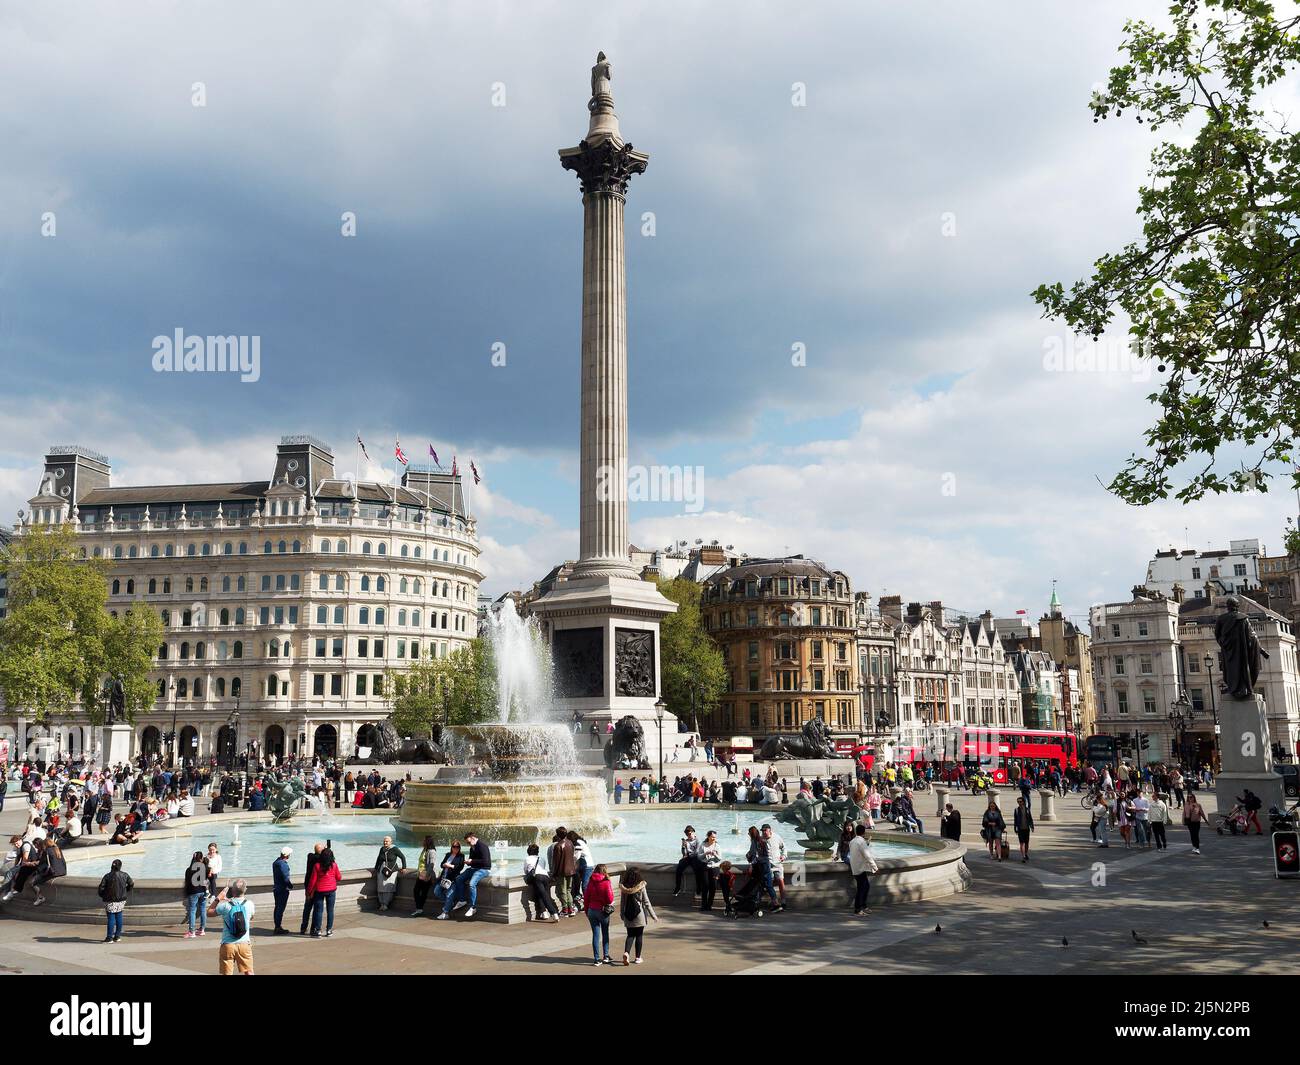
(236, 921)
(632, 907)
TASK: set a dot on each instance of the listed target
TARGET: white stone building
(284, 600)
(1235, 570)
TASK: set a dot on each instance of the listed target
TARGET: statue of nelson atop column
(1240, 651)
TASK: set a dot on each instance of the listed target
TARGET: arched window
(325, 546)
(223, 650)
(401, 617)
(153, 586)
(153, 550)
(134, 552)
(324, 582)
(206, 550)
(365, 582)
(417, 552)
(189, 550)
(225, 584)
(338, 615)
(221, 687)
(189, 584)
(166, 618)
(236, 687)
(444, 589)
(404, 551)
(238, 650)
(167, 586)
(182, 689)
(338, 582)
(380, 584)
(240, 583)
(200, 649)
(275, 647)
(296, 546)
(185, 650)
(203, 584)
(379, 615)
(187, 618)
(415, 618)
(99, 551)
(227, 548)
(417, 586)
(365, 615)
(117, 587)
(281, 547)
(266, 548)
(130, 587)
(243, 547)
(169, 550)
(162, 689)
(365, 548)
(198, 687)
(162, 652)
(340, 547)
(383, 549)
(272, 685)
(402, 586)
(239, 615)
(444, 621)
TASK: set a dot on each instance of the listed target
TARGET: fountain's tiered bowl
(529, 788)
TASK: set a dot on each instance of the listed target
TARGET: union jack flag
(401, 455)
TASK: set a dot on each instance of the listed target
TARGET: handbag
(445, 883)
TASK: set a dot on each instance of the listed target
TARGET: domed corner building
(786, 627)
(283, 601)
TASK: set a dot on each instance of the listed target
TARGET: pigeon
(1064, 942)
(1266, 924)
(937, 929)
(1138, 939)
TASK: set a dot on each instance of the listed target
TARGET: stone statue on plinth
(1240, 651)
(600, 76)
(116, 709)
(284, 797)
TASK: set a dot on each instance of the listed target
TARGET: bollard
(941, 798)
(1046, 804)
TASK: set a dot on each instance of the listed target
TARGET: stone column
(1046, 804)
(940, 799)
(604, 165)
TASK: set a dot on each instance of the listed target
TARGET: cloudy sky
(943, 164)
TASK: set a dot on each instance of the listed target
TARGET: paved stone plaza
(1198, 914)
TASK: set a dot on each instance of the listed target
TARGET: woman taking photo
(113, 890)
(598, 901)
(196, 895)
(992, 828)
(321, 887)
(636, 911)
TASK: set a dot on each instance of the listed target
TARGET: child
(727, 882)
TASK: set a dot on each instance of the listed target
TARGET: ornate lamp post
(660, 707)
(1181, 715)
(1214, 710)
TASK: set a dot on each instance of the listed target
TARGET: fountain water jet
(526, 779)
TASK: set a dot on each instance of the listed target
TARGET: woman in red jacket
(321, 885)
(598, 900)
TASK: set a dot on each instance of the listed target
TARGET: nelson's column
(603, 622)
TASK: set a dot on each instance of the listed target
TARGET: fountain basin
(517, 811)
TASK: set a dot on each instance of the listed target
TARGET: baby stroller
(1235, 821)
(748, 899)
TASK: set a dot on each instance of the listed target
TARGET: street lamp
(660, 707)
(232, 741)
(1181, 715)
(1214, 709)
(171, 736)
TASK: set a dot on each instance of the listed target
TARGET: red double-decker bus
(994, 749)
(991, 749)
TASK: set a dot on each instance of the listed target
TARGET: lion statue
(814, 743)
(391, 748)
(627, 742)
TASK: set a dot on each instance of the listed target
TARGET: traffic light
(1145, 741)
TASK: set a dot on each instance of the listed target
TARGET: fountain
(523, 778)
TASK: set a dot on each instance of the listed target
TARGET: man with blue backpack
(236, 910)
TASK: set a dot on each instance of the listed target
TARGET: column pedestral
(1046, 804)
(116, 742)
(1246, 754)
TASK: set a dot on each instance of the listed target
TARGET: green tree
(1211, 292)
(690, 662)
(457, 690)
(59, 644)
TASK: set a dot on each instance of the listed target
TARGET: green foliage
(690, 662)
(457, 690)
(58, 644)
(1291, 539)
(1212, 291)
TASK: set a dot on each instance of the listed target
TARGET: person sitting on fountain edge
(477, 866)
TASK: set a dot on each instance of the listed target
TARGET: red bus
(993, 749)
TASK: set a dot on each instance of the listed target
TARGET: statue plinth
(1246, 753)
(115, 743)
